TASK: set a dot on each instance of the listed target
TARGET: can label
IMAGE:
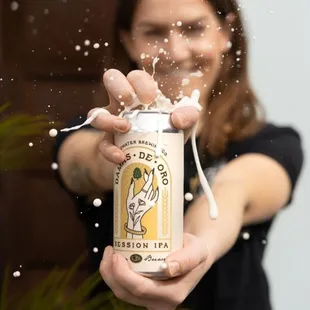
(148, 199)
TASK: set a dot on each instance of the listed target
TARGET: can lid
(145, 112)
(150, 121)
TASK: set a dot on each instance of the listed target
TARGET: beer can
(148, 192)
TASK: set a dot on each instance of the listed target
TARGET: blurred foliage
(15, 152)
(55, 293)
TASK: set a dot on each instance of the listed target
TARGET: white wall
(280, 70)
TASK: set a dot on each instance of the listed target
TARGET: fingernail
(117, 156)
(121, 125)
(90, 113)
(174, 268)
(183, 119)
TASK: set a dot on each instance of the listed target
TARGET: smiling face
(187, 37)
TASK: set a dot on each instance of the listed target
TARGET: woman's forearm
(220, 234)
(81, 165)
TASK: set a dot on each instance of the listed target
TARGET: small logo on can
(136, 258)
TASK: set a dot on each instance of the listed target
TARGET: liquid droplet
(53, 132)
(97, 202)
(14, 6)
(189, 197)
(54, 166)
(16, 274)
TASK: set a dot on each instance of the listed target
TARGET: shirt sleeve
(283, 144)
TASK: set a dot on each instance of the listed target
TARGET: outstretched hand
(122, 89)
(185, 268)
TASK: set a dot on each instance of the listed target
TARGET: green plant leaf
(4, 107)
(15, 152)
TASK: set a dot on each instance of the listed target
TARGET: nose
(178, 48)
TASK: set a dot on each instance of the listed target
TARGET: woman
(253, 165)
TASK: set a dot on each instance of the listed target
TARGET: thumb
(186, 259)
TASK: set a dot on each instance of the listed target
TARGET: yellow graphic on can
(139, 197)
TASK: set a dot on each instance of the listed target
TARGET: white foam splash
(185, 82)
(89, 120)
(163, 104)
(155, 61)
(196, 74)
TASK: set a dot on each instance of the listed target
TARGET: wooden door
(49, 65)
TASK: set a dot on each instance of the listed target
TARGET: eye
(153, 33)
(195, 29)
(131, 206)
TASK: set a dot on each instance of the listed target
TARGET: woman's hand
(185, 268)
(122, 91)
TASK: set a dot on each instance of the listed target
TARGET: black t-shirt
(237, 281)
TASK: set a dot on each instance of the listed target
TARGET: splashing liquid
(163, 104)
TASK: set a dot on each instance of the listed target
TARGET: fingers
(119, 89)
(149, 194)
(109, 123)
(191, 256)
(185, 117)
(144, 86)
(106, 268)
(149, 182)
(111, 152)
(124, 90)
(145, 289)
(154, 200)
(131, 191)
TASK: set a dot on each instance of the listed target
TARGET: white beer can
(148, 192)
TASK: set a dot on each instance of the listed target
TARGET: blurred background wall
(280, 70)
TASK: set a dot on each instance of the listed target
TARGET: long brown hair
(233, 112)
